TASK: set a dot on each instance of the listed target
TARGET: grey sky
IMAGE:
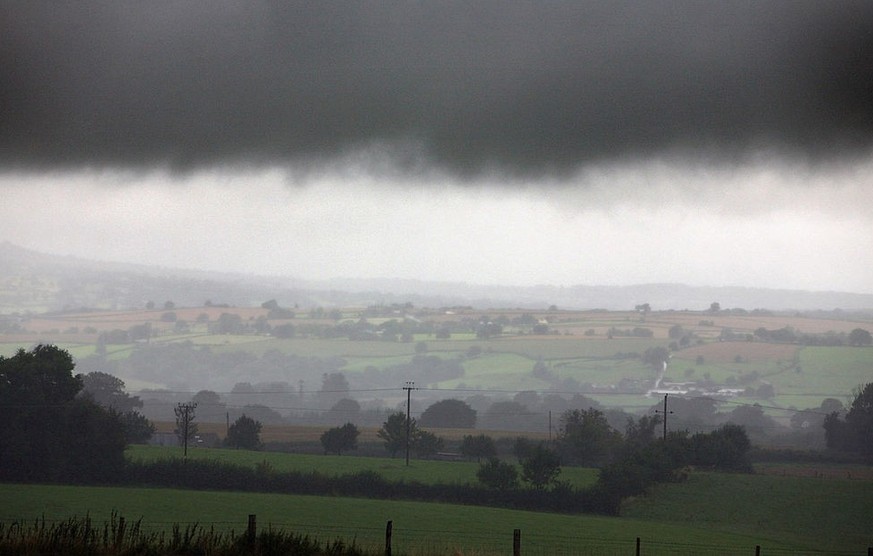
(492, 142)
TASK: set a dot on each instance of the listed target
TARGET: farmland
(595, 353)
(393, 469)
(798, 515)
(532, 358)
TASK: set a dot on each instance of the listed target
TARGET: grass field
(393, 469)
(580, 353)
(419, 528)
(826, 513)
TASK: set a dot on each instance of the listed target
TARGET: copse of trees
(665, 460)
(46, 433)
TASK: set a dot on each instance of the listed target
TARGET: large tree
(586, 437)
(46, 434)
(855, 433)
(109, 391)
(541, 468)
(449, 414)
(860, 337)
(393, 432)
(340, 439)
(244, 433)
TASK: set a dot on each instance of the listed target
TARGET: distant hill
(37, 282)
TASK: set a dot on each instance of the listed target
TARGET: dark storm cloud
(473, 86)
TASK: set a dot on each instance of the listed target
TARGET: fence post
(757, 550)
(388, 531)
(638, 547)
(252, 530)
(516, 542)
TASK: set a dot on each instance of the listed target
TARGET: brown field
(725, 352)
(300, 433)
(816, 470)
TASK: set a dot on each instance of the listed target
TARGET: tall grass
(117, 537)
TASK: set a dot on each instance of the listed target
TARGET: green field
(393, 469)
(829, 514)
(577, 353)
(419, 528)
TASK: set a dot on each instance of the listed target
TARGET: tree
(498, 474)
(449, 414)
(480, 446)
(641, 432)
(541, 468)
(186, 428)
(855, 433)
(586, 437)
(393, 432)
(344, 410)
(656, 357)
(860, 337)
(244, 433)
(108, 391)
(137, 428)
(334, 387)
(427, 444)
(228, 323)
(285, 330)
(725, 448)
(46, 434)
(340, 439)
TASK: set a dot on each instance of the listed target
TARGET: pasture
(579, 353)
(419, 528)
(393, 469)
(823, 513)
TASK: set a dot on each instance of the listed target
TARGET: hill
(33, 282)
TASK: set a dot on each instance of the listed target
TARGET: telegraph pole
(410, 386)
(184, 416)
(665, 416)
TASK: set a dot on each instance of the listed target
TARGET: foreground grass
(828, 514)
(392, 469)
(419, 528)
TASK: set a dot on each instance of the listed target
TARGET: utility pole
(410, 386)
(665, 416)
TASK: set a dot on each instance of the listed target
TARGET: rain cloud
(522, 88)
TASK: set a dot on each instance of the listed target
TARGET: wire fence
(417, 541)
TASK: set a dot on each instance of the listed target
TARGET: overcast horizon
(571, 143)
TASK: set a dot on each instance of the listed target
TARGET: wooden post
(638, 547)
(388, 531)
(757, 550)
(252, 530)
(516, 542)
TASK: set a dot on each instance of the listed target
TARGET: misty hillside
(37, 282)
